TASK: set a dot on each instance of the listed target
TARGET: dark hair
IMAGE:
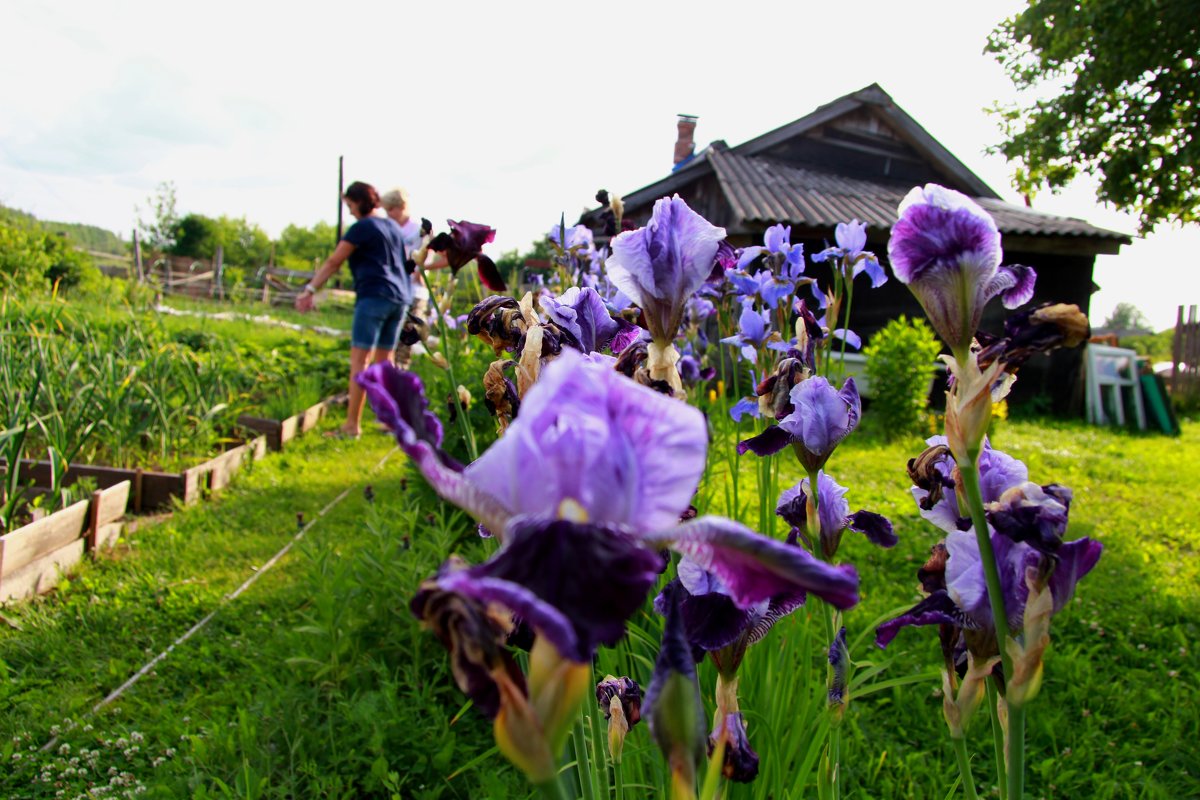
(362, 195)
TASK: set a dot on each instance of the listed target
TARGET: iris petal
(755, 568)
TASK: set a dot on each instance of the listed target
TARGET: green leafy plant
(900, 367)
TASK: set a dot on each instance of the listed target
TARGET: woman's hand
(305, 302)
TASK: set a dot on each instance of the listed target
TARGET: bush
(900, 366)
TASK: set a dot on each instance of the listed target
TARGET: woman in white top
(395, 203)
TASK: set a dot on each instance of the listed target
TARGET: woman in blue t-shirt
(374, 246)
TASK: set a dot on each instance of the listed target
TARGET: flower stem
(964, 767)
(583, 765)
(1016, 754)
(846, 328)
(463, 422)
(997, 737)
(551, 789)
(1016, 713)
(970, 479)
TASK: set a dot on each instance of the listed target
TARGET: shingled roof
(780, 177)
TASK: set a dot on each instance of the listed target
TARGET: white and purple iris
(947, 250)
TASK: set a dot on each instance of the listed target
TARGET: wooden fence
(1185, 353)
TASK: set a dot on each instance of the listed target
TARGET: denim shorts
(377, 323)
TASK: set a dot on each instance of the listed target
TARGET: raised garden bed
(151, 490)
(279, 432)
(33, 556)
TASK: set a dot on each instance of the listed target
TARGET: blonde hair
(394, 198)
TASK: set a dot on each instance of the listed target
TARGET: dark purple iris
(463, 244)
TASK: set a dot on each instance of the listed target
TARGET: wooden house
(856, 158)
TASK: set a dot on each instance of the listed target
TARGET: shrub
(900, 366)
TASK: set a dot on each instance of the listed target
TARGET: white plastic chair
(1110, 371)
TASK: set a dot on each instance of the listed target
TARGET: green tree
(1120, 83)
(1127, 317)
(244, 244)
(304, 246)
(157, 231)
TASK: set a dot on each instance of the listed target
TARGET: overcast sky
(507, 113)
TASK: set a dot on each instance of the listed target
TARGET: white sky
(507, 113)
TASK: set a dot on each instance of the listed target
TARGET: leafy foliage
(243, 243)
(900, 366)
(33, 259)
(88, 237)
(1120, 84)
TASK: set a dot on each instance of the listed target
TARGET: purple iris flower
(581, 313)
(947, 250)
(590, 482)
(777, 242)
(834, 514)
(754, 329)
(747, 405)
(741, 762)
(851, 238)
(715, 624)
(578, 236)
(821, 417)
(661, 265)
(1026, 524)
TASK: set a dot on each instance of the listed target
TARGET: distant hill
(87, 237)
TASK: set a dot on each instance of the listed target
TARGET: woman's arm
(332, 264)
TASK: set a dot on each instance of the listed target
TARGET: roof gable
(866, 135)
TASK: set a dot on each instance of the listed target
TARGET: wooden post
(1176, 352)
(340, 190)
(93, 527)
(137, 491)
(137, 258)
(219, 272)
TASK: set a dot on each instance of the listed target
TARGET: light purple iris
(661, 265)
(822, 418)
(851, 238)
(777, 241)
(754, 328)
(589, 482)
(578, 236)
(947, 250)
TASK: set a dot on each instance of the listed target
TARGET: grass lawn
(318, 682)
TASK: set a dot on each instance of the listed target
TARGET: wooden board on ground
(32, 542)
(41, 575)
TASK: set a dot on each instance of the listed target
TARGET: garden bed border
(280, 432)
(34, 555)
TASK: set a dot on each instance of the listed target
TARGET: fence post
(137, 257)
(218, 272)
(1176, 352)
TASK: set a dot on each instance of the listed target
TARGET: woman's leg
(358, 362)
